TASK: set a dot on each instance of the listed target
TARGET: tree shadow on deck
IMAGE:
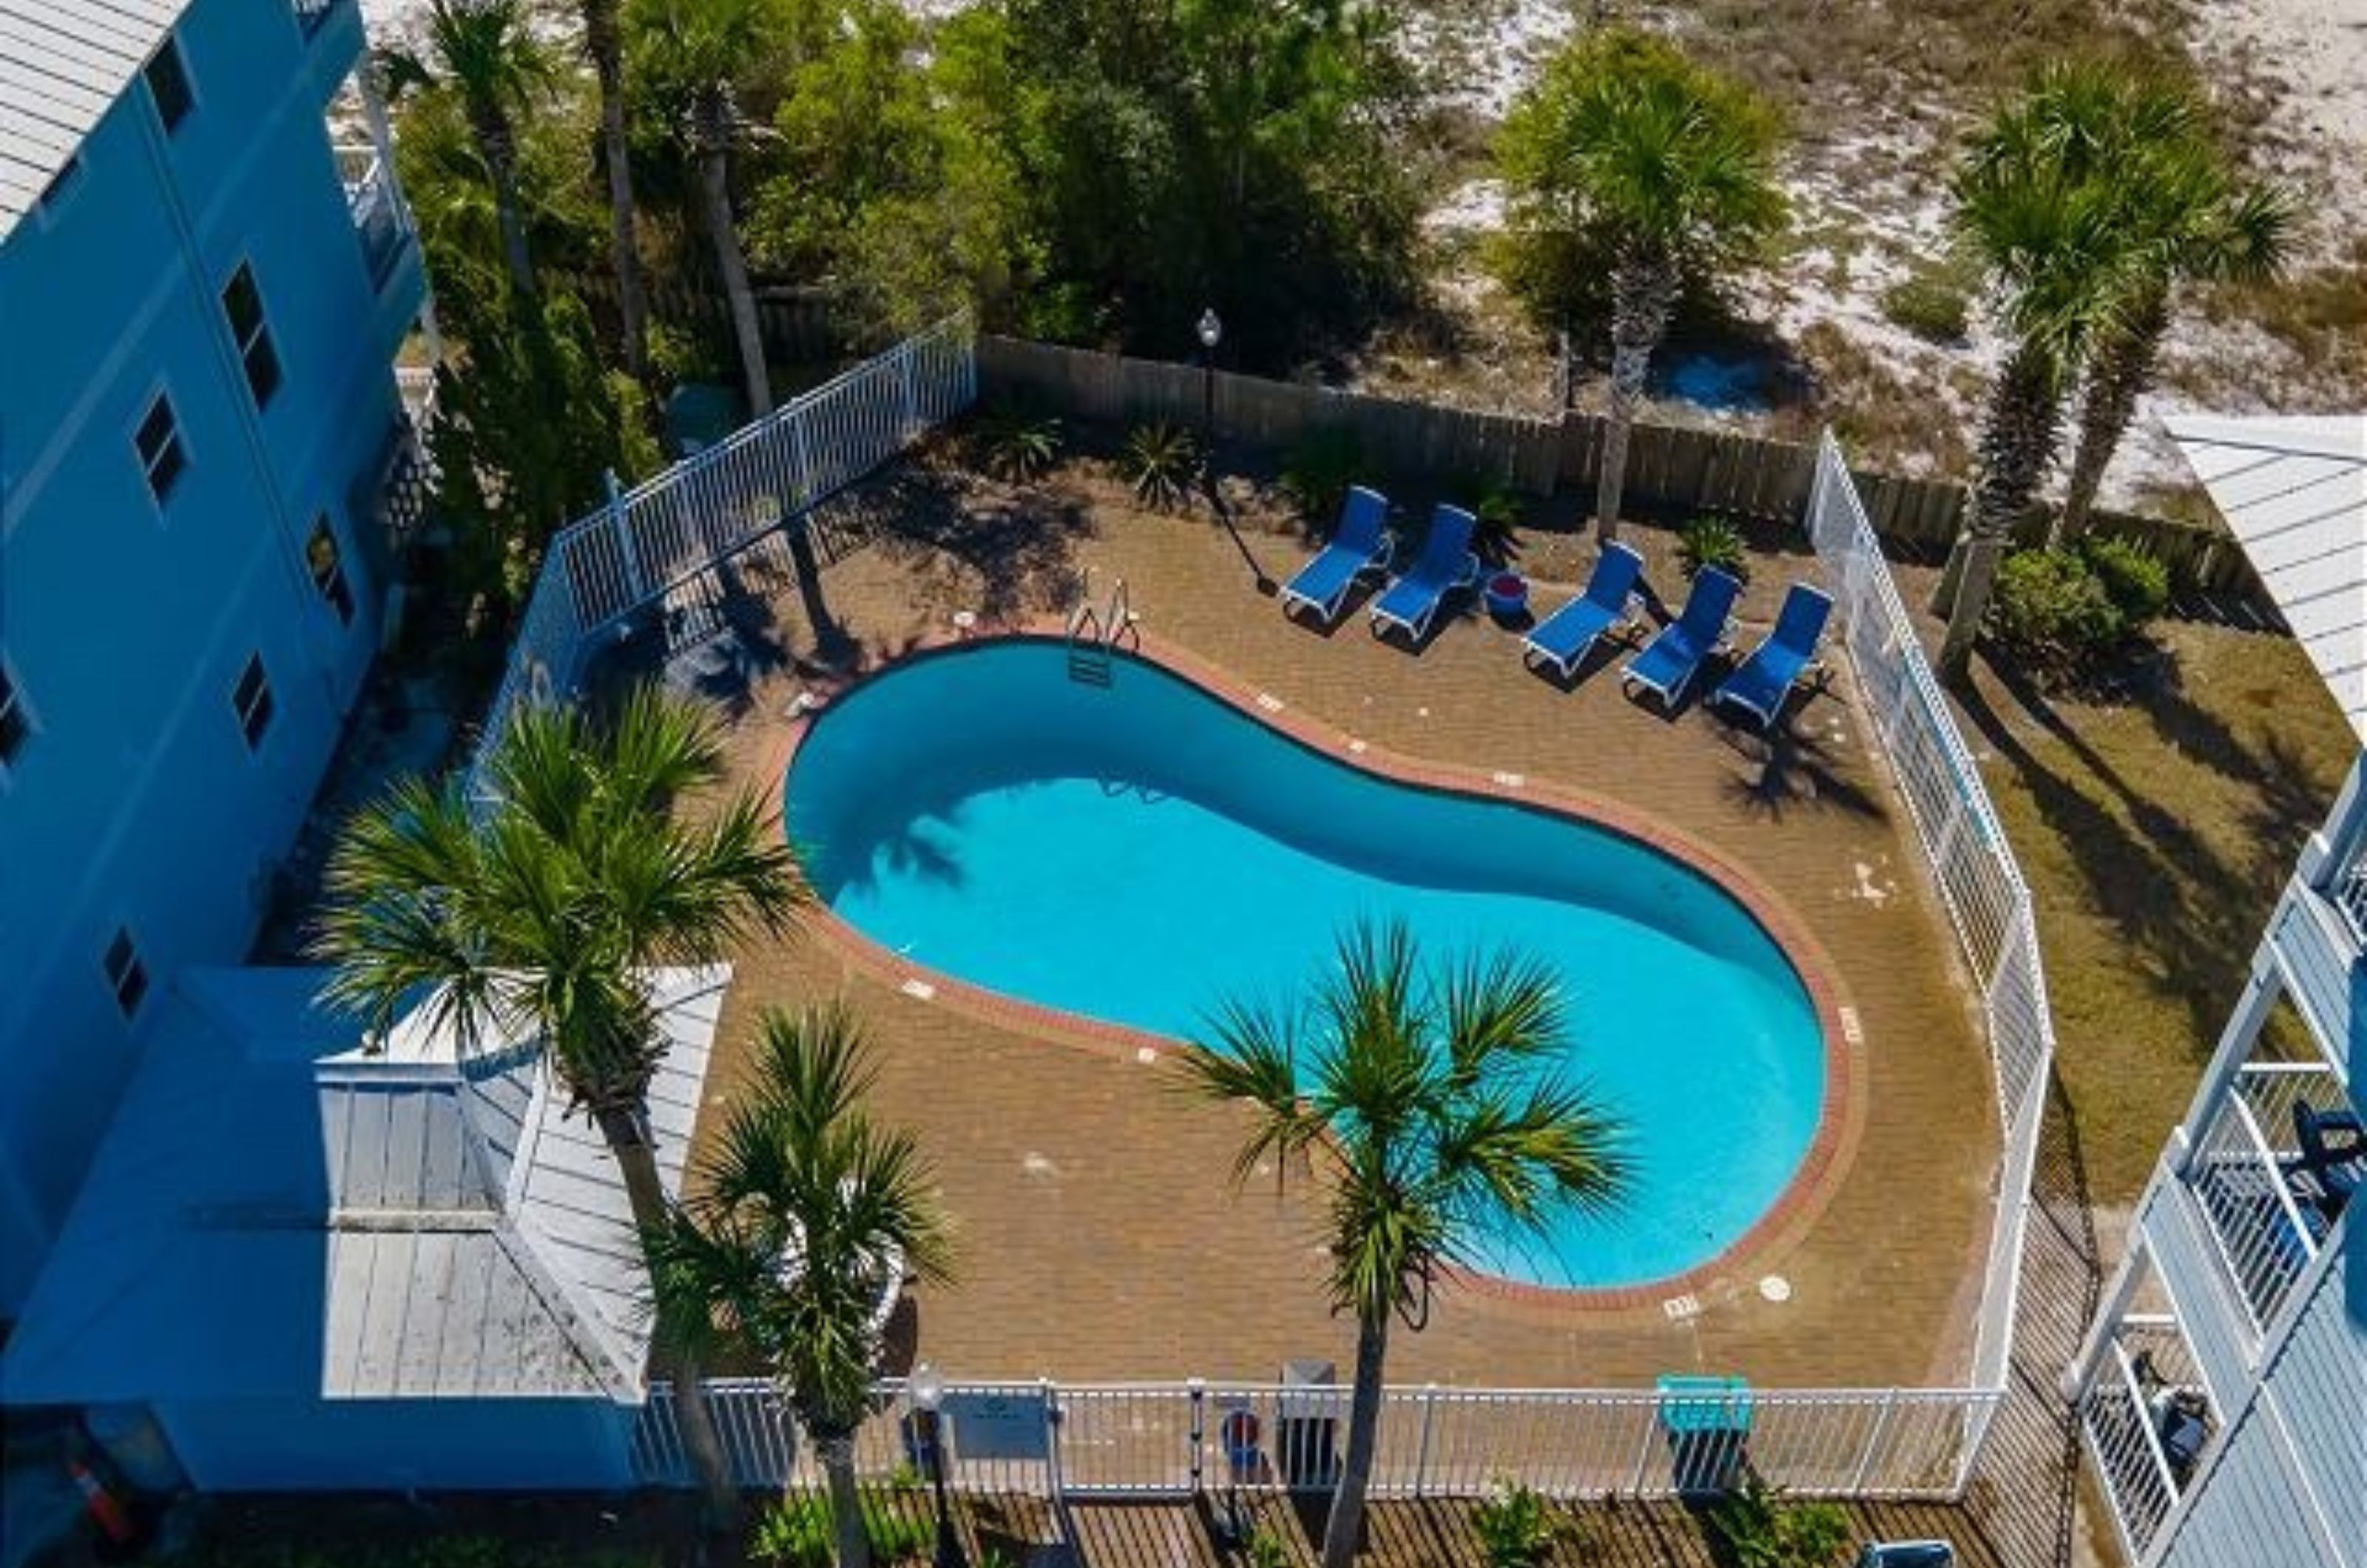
(970, 543)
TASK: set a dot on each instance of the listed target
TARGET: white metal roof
(2294, 492)
(400, 1224)
(63, 63)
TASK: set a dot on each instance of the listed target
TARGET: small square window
(322, 559)
(168, 83)
(243, 303)
(125, 972)
(15, 724)
(250, 700)
(158, 440)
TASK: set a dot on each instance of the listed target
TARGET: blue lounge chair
(1671, 660)
(1760, 683)
(1564, 638)
(1444, 564)
(1360, 544)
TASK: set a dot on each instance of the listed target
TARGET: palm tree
(487, 55)
(1626, 147)
(602, 42)
(2188, 218)
(702, 48)
(1429, 1095)
(2051, 238)
(540, 919)
(810, 1215)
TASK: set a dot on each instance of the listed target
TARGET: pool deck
(1100, 1235)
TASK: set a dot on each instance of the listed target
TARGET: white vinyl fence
(1198, 1439)
(1970, 860)
(678, 524)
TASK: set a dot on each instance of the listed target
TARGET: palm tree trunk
(626, 1136)
(2019, 434)
(1644, 291)
(497, 146)
(836, 1452)
(609, 63)
(714, 188)
(1345, 1527)
(2118, 374)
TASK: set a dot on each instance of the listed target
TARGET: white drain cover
(1776, 1288)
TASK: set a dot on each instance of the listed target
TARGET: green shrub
(1017, 444)
(1514, 1527)
(797, 1533)
(1713, 541)
(1764, 1530)
(1933, 309)
(2052, 608)
(1266, 1549)
(1161, 461)
(1318, 470)
(1498, 507)
(2134, 578)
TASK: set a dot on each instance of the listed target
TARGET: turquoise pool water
(1140, 852)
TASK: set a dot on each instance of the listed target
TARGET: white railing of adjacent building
(1973, 865)
(1184, 1440)
(2121, 1421)
(678, 524)
(2267, 1231)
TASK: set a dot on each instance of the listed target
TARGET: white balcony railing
(2348, 890)
(2270, 1216)
(378, 215)
(2146, 1421)
(311, 14)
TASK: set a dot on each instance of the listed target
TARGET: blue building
(202, 301)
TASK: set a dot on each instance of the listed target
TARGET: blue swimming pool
(1138, 853)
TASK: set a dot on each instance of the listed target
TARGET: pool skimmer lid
(1776, 1288)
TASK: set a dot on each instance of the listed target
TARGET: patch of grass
(1880, 418)
(2155, 833)
(2320, 314)
(1935, 309)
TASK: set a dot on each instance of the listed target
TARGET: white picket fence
(675, 527)
(1182, 1440)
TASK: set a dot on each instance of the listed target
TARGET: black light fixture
(926, 1388)
(1211, 330)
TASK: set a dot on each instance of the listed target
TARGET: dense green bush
(1318, 470)
(1498, 507)
(1017, 444)
(2134, 578)
(1713, 541)
(1933, 309)
(2052, 608)
(797, 1533)
(1514, 1527)
(1161, 461)
(1763, 1530)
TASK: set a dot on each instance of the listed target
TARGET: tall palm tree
(486, 53)
(2051, 238)
(1428, 1093)
(604, 42)
(2189, 217)
(810, 1217)
(703, 47)
(542, 917)
(1626, 146)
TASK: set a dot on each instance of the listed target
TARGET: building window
(15, 724)
(158, 440)
(328, 571)
(125, 972)
(250, 700)
(168, 83)
(243, 303)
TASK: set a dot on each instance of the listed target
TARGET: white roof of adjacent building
(279, 1212)
(2294, 492)
(63, 63)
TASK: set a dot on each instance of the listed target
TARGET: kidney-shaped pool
(1138, 853)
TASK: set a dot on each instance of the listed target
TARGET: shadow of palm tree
(1000, 550)
(1787, 766)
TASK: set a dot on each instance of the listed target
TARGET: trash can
(1307, 1424)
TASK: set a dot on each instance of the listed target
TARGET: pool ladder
(1092, 634)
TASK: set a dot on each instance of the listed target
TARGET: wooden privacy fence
(1670, 469)
(799, 325)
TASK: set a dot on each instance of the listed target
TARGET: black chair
(2333, 1153)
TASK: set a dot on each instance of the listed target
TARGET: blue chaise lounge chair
(1360, 544)
(1563, 638)
(1444, 564)
(1671, 660)
(1760, 683)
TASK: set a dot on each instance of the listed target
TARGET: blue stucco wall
(125, 625)
(396, 1444)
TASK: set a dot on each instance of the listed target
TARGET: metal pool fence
(1204, 1439)
(651, 541)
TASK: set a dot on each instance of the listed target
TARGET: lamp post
(1210, 329)
(927, 1388)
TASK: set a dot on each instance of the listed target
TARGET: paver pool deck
(1100, 1235)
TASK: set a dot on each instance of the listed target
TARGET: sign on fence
(1000, 1426)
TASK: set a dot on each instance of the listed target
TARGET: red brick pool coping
(1775, 1232)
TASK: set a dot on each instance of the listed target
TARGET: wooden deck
(1100, 1236)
